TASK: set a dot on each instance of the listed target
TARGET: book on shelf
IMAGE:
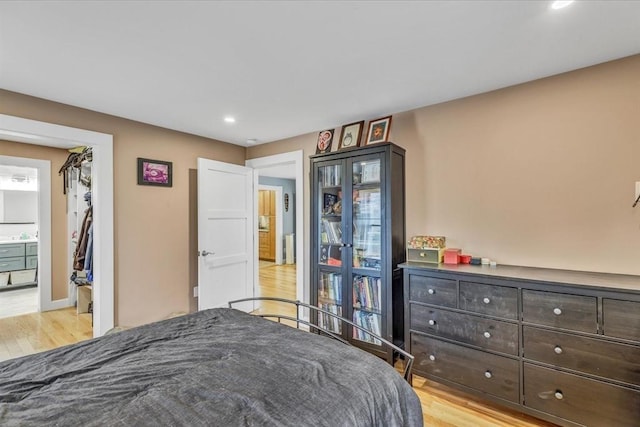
(332, 230)
(368, 321)
(370, 172)
(368, 202)
(372, 242)
(366, 293)
(326, 321)
(331, 176)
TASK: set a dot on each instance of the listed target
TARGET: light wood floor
(441, 406)
(35, 332)
(16, 302)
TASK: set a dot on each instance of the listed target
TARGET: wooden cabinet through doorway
(267, 224)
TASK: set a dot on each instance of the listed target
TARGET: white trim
(279, 219)
(44, 228)
(52, 135)
(296, 158)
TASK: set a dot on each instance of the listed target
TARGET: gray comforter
(218, 367)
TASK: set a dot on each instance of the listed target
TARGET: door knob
(205, 253)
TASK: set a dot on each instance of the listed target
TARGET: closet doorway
(47, 134)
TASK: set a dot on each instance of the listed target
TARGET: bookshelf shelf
(358, 237)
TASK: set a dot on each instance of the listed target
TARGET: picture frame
(378, 130)
(323, 144)
(155, 172)
(350, 135)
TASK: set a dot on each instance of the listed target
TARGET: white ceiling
(285, 68)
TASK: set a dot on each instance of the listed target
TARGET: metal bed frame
(408, 358)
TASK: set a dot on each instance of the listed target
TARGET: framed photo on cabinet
(350, 135)
(325, 138)
(378, 130)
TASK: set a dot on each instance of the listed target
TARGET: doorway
(282, 278)
(47, 134)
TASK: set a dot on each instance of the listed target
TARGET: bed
(214, 367)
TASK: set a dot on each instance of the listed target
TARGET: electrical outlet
(195, 292)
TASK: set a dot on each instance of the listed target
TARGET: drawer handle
(558, 395)
(558, 349)
(431, 292)
(432, 358)
(487, 334)
(557, 311)
(486, 300)
(488, 374)
(432, 322)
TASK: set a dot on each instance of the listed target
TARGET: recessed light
(559, 4)
(229, 119)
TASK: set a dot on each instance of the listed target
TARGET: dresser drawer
(10, 264)
(581, 400)
(495, 375)
(486, 333)
(500, 301)
(621, 319)
(12, 250)
(590, 355)
(432, 290)
(32, 262)
(31, 249)
(578, 313)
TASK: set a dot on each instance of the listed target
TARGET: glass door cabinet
(358, 240)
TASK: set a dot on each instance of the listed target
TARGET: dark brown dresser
(560, 345)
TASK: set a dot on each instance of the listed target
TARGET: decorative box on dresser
(560, 345)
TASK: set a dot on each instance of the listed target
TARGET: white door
(225, 233)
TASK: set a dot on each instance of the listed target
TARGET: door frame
(279, 220)
(296, 159)
(37, 132)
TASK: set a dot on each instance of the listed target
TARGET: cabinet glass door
(366, 259)
(330, 240)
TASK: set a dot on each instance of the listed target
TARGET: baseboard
(56, 305)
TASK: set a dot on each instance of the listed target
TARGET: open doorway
(47, 134)
(279, 180)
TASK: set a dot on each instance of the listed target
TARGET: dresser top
(14, 241)
(612, 281)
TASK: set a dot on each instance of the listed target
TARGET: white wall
(20, 206)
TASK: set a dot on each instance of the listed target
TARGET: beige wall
(539, 174)
(59, 248)
(151, 223)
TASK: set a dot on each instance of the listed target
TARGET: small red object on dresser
(452, 256)
(465, 259)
